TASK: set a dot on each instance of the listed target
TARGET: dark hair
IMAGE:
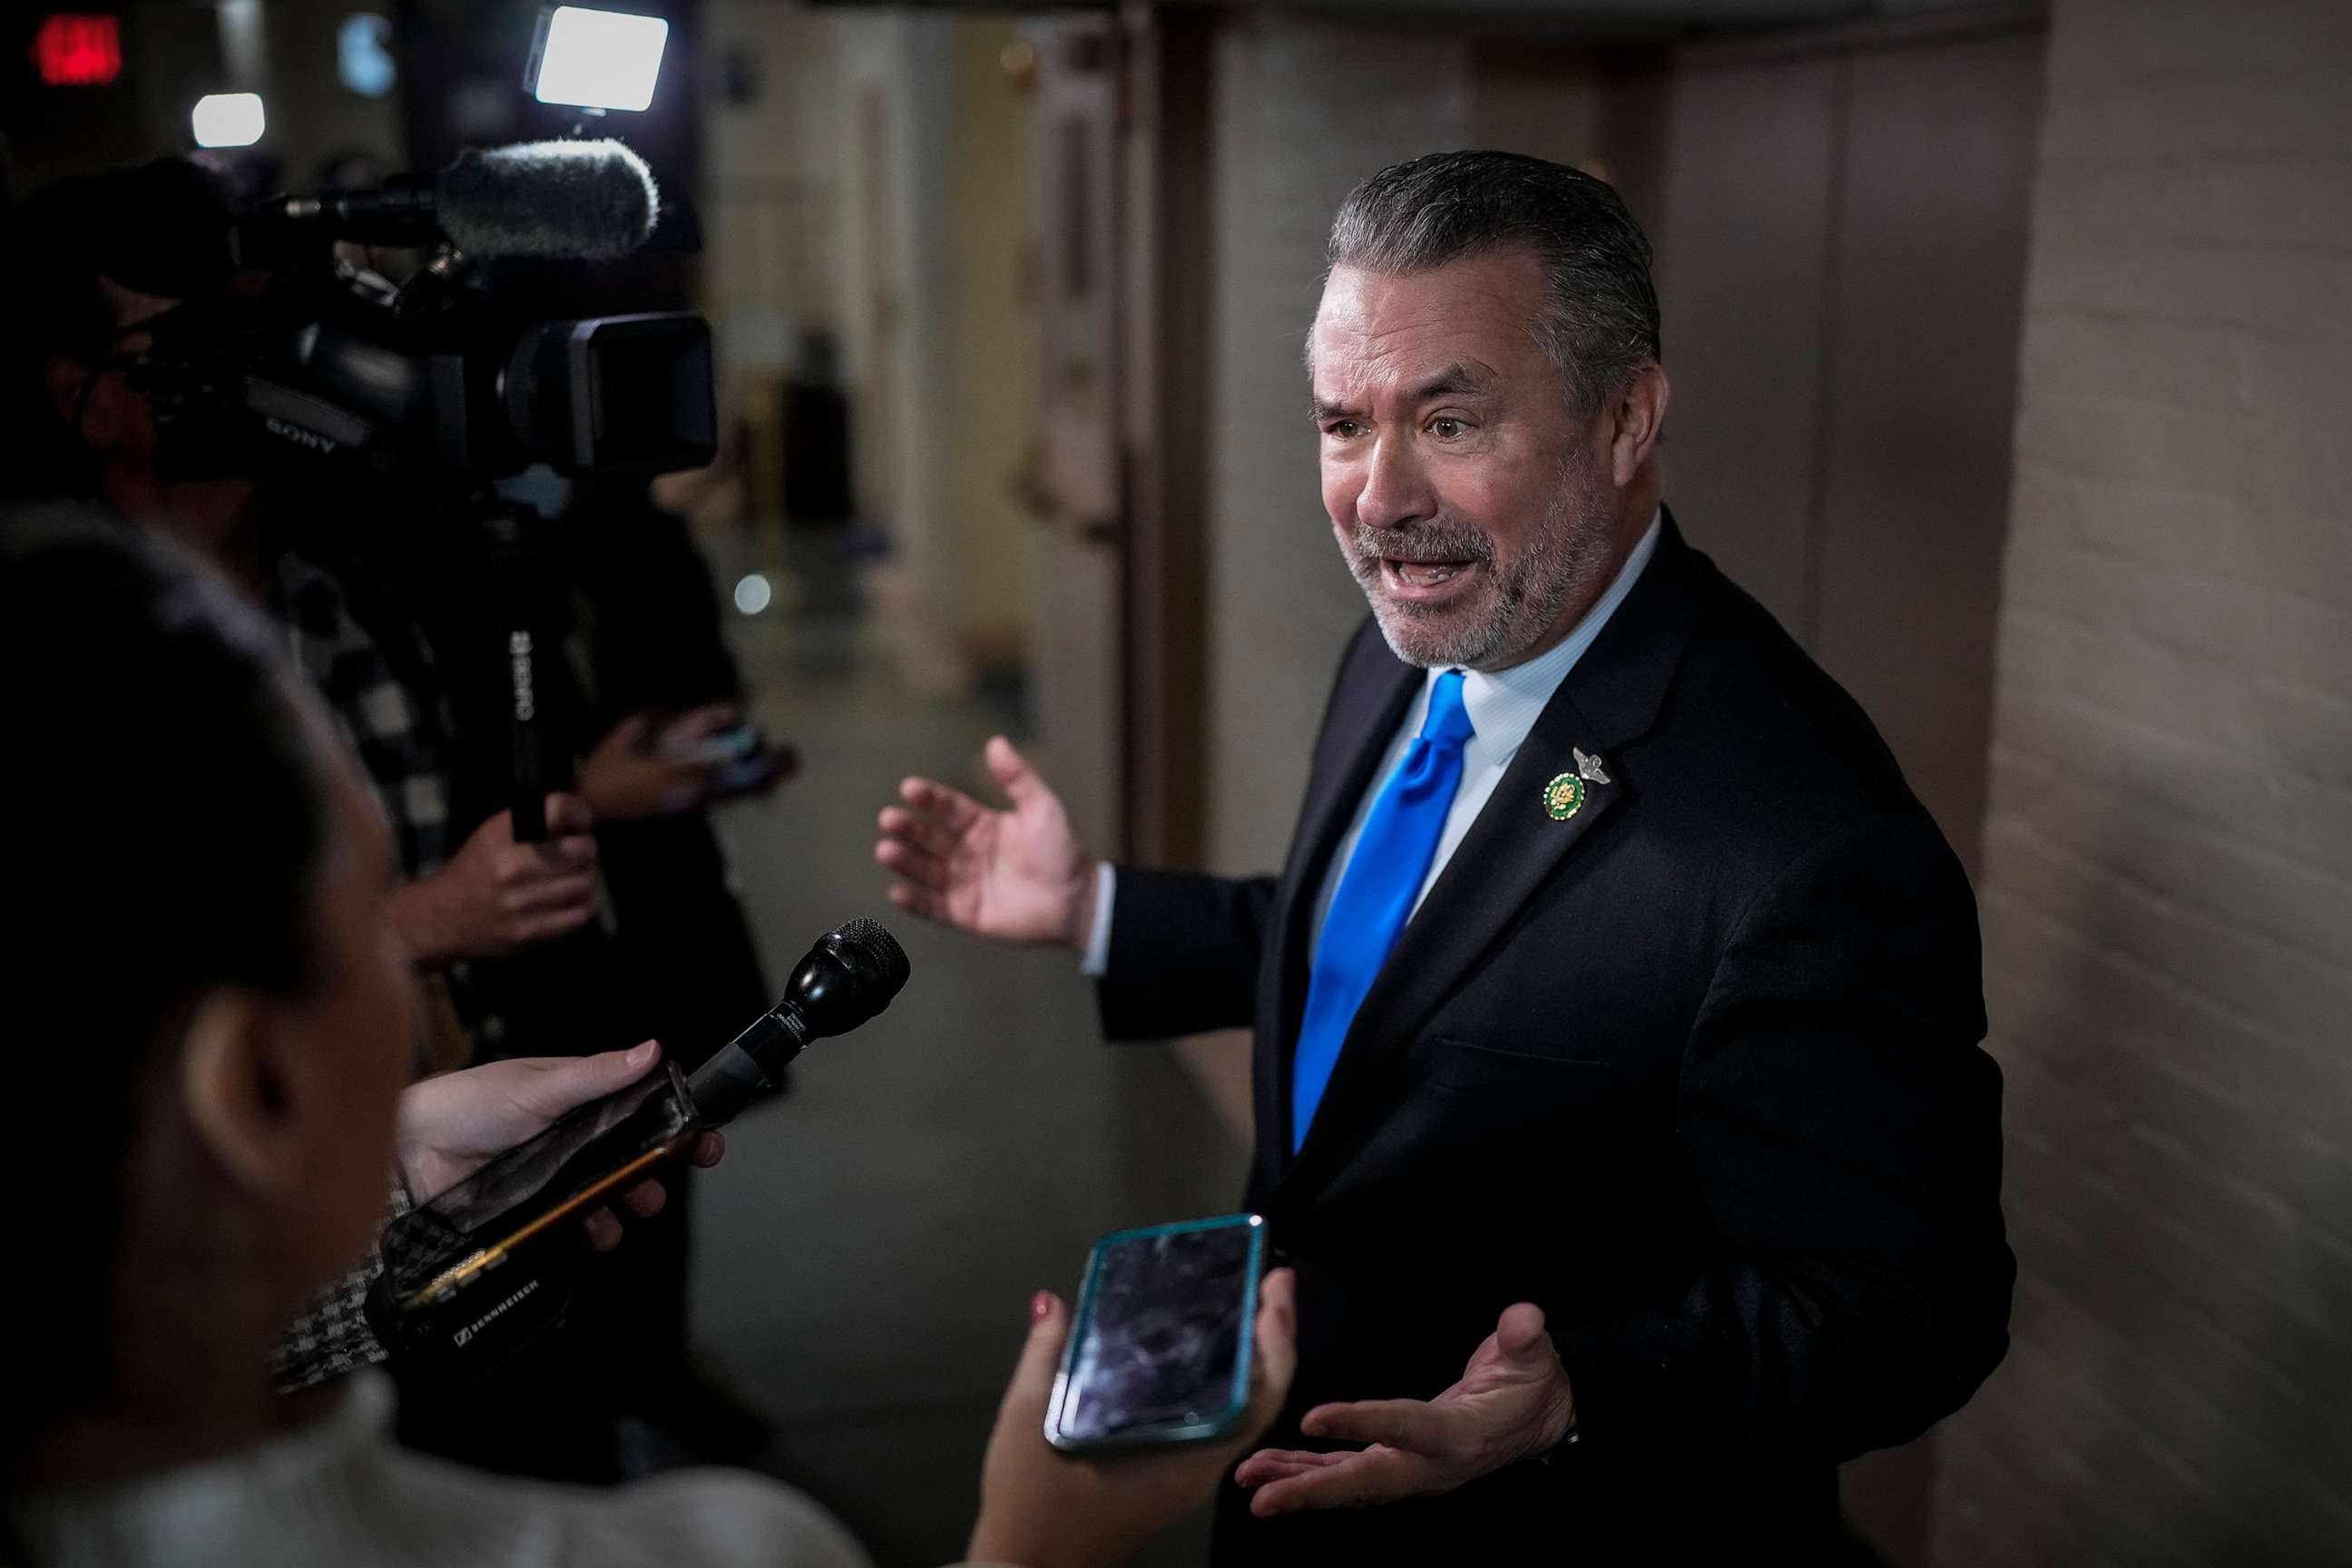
(164, 825)
(160, 228)
(1601, 324)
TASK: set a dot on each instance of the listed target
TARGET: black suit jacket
(1695, 1069)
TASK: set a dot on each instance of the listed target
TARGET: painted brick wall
(2167, 891)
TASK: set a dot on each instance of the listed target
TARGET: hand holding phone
(648, 766)
(1051, 1508)
(1160, 1350)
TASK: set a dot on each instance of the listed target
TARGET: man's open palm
(1513, 1403)
(1017, 875)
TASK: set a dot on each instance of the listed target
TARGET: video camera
(304, 357)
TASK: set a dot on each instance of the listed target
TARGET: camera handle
(510, 529)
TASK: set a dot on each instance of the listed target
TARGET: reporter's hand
(496, 897)
(629, 775)
(1017, 876)
(1044, 1509)
(1513, 1403)
(452, 1125)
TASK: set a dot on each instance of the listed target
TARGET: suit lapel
(1610, 697)
(1374, 692)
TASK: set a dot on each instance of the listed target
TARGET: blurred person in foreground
(1617, 1092)
(234, 1096)
(500, 932)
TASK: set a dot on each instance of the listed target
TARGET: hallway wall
(1302, 110)
(2168, 845)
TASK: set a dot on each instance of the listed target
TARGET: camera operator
(235, 1103)
(92, 262)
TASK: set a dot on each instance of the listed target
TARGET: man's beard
(1502, 622)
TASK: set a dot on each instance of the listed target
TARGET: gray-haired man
(1617, 1008)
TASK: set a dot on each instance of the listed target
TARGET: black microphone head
(879, 949)
(847, 977)
(579, 201)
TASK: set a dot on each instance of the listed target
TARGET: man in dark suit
(1617, 1008)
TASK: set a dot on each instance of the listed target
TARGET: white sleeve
(1097, 962)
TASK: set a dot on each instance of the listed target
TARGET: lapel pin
(1588, 767)
(1564, 797)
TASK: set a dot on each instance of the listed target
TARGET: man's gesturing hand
(1513, 1403)
(1017, 876)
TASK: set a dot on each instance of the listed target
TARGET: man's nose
(1396, 491)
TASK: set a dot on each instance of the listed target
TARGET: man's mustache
(1436, 542)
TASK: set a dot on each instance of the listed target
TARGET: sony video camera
(306, 358)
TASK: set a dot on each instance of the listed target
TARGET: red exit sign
(78, 51)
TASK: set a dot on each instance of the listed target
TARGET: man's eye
(1344, 429)
(1446, 429)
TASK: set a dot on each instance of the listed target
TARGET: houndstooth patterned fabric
(331, 1336)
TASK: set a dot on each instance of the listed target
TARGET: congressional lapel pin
(1564, 797)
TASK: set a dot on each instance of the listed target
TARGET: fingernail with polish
(1039, 1305)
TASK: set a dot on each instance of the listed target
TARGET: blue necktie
(1376, 893)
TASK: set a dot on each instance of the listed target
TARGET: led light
(227, 119)
(597, 60)
(364, 61)
(752, 595)
(78, 51)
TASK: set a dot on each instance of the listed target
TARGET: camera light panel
(598, 60)
(227, 119)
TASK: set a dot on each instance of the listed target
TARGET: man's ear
(239, 1093)
(67, 381)
(1639, 415)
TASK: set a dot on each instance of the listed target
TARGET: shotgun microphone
(557, 201)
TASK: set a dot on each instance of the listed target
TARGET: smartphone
(738, 745)
(1159, 1351)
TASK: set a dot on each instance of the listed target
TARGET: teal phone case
(1208, 1425)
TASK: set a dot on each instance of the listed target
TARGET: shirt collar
(1504, 705)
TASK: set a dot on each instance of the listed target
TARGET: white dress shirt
(1503, 707)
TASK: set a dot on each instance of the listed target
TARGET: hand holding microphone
(473, 1272)
(454, 1123)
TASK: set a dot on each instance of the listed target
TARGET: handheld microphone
(850, 975)
(469, 1274)
(557, 201)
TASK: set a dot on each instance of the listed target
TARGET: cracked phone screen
(1162, 1332)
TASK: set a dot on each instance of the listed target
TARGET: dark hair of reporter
(165, 828)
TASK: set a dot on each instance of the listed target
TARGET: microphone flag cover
(557, 201)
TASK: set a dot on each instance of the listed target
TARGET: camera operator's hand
(637, 771)
(1017, 876)
(451, 1125)
(1044, 1509)
(496, 897)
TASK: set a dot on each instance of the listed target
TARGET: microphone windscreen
(559, 201)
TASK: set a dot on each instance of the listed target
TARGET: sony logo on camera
(479, 1324)
(300, 437)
